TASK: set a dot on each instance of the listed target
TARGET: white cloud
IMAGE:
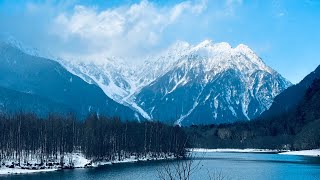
(86, 23)
(71, 30)
(122, 31)
(187, 5)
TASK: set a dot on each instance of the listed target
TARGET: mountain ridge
(48, 79)
(290, 98)
(197, 71)
(126, 84)
(213, 58)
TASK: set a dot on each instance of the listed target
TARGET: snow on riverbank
(235, 150)
(314, 153)
(78, 161)
(5, 170)
(34, 165)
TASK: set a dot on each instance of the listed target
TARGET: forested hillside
(297, 128)
(291, 97)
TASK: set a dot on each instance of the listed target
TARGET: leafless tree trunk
(183, 169)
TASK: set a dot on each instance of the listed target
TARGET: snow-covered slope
(189, 84)
(112, 76)
(29, 82)
(186, 84)
(212, 83)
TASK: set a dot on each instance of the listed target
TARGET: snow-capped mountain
(212, 83)
(39, 85)
(12, 41)
(189, 84)
(185, 84)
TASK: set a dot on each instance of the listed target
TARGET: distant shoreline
(312, 153)
(247, 150)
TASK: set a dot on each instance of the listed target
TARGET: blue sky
(285, 33)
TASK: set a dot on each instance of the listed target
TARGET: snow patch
(313, 152)
(235, 150)
(5, 170)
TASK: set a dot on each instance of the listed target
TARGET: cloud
(73, 30)
(121, 31)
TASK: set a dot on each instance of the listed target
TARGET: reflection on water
(231, 165)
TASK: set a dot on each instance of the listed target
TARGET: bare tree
(217, 175)
(183, 169)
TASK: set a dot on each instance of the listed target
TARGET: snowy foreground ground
(79, 161)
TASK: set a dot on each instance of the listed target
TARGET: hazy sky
(286, 34)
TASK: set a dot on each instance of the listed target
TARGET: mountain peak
(205, 43)
(222, 46)
(244, 49)
(15, 43)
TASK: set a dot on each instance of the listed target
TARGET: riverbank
(8, 171)
(237, 150)
(75, 160)
(313, 153)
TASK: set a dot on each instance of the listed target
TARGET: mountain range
(185, 84)
(189, 84)
(51, 86)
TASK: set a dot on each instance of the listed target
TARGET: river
(260, 166)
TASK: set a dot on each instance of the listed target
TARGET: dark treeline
(25, 135)
(298, 128)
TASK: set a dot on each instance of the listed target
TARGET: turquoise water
(254, 166)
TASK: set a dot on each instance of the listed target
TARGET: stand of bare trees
(26, 136)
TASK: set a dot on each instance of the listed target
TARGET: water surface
(231, 165)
